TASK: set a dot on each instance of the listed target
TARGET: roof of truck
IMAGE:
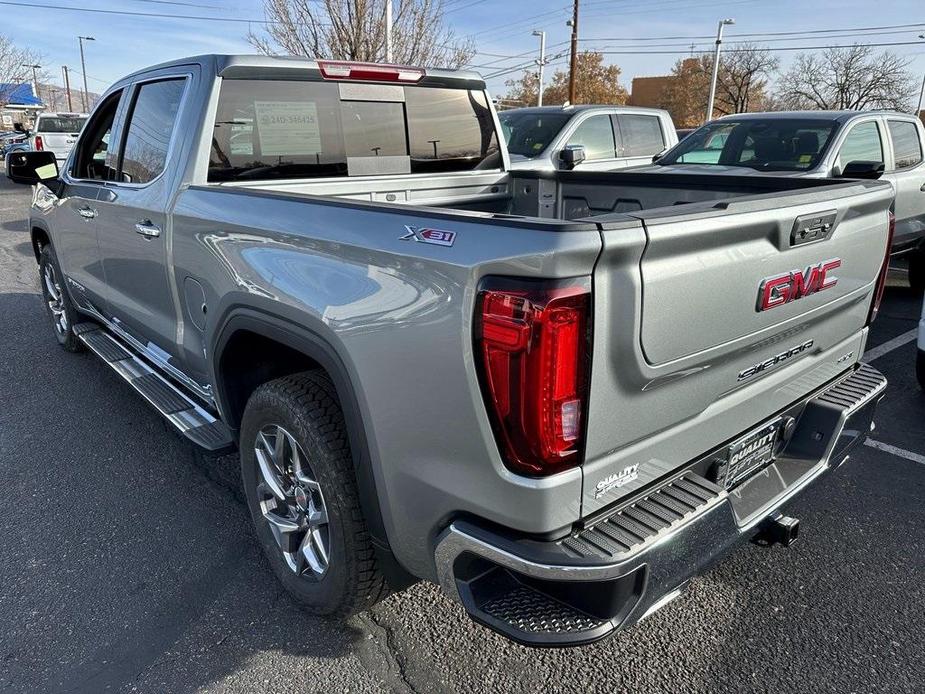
(840, 116)
(578, 108)
(240, 65)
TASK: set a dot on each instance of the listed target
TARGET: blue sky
(498, 28)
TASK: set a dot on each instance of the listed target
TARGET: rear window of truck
(60, 124)
(272, 129)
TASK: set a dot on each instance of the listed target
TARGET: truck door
(133, 220)
(595, 134)
(906, 172)
(76, 219)
(640, 138)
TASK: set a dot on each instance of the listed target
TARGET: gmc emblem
(790, 286)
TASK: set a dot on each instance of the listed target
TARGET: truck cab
(609, 137)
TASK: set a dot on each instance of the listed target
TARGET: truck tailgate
(680, 331)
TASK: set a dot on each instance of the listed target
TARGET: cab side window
(91, 161)
(907, 148)
(641, 135)
(862, 144)
(150, 126)
(596, 135)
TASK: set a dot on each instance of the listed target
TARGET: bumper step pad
(190, 419)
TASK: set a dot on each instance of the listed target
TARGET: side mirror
(862, 169)
(31, 167)
(572, 156)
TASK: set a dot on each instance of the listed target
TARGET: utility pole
(541, 62)
(388, 31)
(719, 43)
(35, 79)
(573, 62)
(83, 69)
(918, 109)
(67, 88)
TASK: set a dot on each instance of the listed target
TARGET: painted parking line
(890, 345)
(893, 450)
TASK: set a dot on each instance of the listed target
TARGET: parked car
(612, 137)
(56, 132)
(13, 141)
(560, 395)
(819, 144)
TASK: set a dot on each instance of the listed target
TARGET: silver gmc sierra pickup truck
(560, 395)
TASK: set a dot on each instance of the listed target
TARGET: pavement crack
(397, 679)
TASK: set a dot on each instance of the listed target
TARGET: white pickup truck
(57, 132)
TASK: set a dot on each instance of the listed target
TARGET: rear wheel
(57, 302)
(917, 269)
(301, 490)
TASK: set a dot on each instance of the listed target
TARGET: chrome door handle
(147, 229)
(87, 212)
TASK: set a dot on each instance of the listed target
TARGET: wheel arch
(318, 352)
(40, 237)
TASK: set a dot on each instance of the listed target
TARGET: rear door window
(640, 135)
(150, 127)
(861, 144)
(907, 148)
(595, 134)
(268, 129)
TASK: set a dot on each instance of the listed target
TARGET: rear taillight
(533, 350)
(39, 145)
(884, 271)
(373, 72)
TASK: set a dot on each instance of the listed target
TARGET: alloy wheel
(55, 299)
(291, 502)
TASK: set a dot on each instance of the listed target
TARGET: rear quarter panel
(399, 314)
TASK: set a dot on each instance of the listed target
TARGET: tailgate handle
(808, 228)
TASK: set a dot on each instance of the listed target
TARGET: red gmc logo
(790, 286)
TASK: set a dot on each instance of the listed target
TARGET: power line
(132, 13)
(910, 27)
(770, 49)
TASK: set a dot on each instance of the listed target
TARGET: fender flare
(316, 347)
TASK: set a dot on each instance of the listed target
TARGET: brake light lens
(884, 271)
(372, 72)
(39, 145)
(533, 347)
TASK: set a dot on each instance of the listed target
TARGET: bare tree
(12, 59)
(847, 78)
(355, 30)
(743, 79)
(742, 84)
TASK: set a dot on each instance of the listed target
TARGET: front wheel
(301, 490)
(57, 302)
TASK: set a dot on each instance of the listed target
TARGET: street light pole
(918, 109)
(83, 69)
(573, 62)
(35, 79)
(388, 31)
(719, 42)
(541, 62)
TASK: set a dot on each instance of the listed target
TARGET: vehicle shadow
(128, 560)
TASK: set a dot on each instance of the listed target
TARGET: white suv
(57, 132)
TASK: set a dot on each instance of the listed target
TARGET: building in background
(18, 104)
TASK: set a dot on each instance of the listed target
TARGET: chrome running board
(190, 419)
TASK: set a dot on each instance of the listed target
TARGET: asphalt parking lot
(127, 561)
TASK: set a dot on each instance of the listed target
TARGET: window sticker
(288, 127)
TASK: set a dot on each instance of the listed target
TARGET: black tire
(917, 270)
(306, 406)
(920, 368)
(57, 302)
